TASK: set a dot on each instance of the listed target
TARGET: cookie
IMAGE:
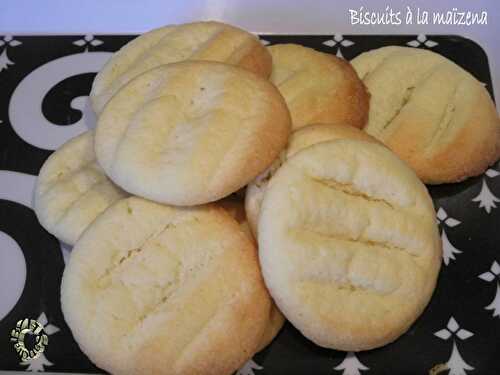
(348, 244)
(155, 289)
(276, 320)
(191, 132)
(432, 113)
(213, 41)
(318, 87)
(299, 139)
(72, 189)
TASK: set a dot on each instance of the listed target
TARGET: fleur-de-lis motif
(486, 198)
(49, 329)
(264, 42)
(455, 364)
(453, 329)
(493, 273)
(7, 41)
(351, 365)
(338, 41)
(248, 368)
(491, 173)
(449, 251)
(443, 218)
(422, 39)
(87, 41)
(490, 276)
(39, 363)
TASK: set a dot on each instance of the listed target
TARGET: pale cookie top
(318, 87)
(299, 139)
(191, 132)
(72, 189)
(348, 244)
(430, 112)
(156, 289)
(213, 41)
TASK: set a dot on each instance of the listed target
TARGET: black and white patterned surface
(45, 81)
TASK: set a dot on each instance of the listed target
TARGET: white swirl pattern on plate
(16, 187)
(25, 107)
(12, 273)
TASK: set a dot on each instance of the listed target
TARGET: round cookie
(72, 189)
(213, 41)
(348, 244)
(155, 289)
(236, 209)
(318, 87)
(299, 139)
(433, 114)
(191, 132)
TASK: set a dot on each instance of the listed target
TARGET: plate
(45, 81)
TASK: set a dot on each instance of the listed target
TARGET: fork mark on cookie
(349, 189)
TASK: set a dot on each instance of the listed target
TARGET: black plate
(461, 325)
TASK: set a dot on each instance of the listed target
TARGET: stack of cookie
(173, 273)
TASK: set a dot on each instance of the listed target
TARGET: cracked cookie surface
(212, 41)
(156, 289)
(348, 244)
(432, 113)
(192, 132)
(72, 189)
(299, 139)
